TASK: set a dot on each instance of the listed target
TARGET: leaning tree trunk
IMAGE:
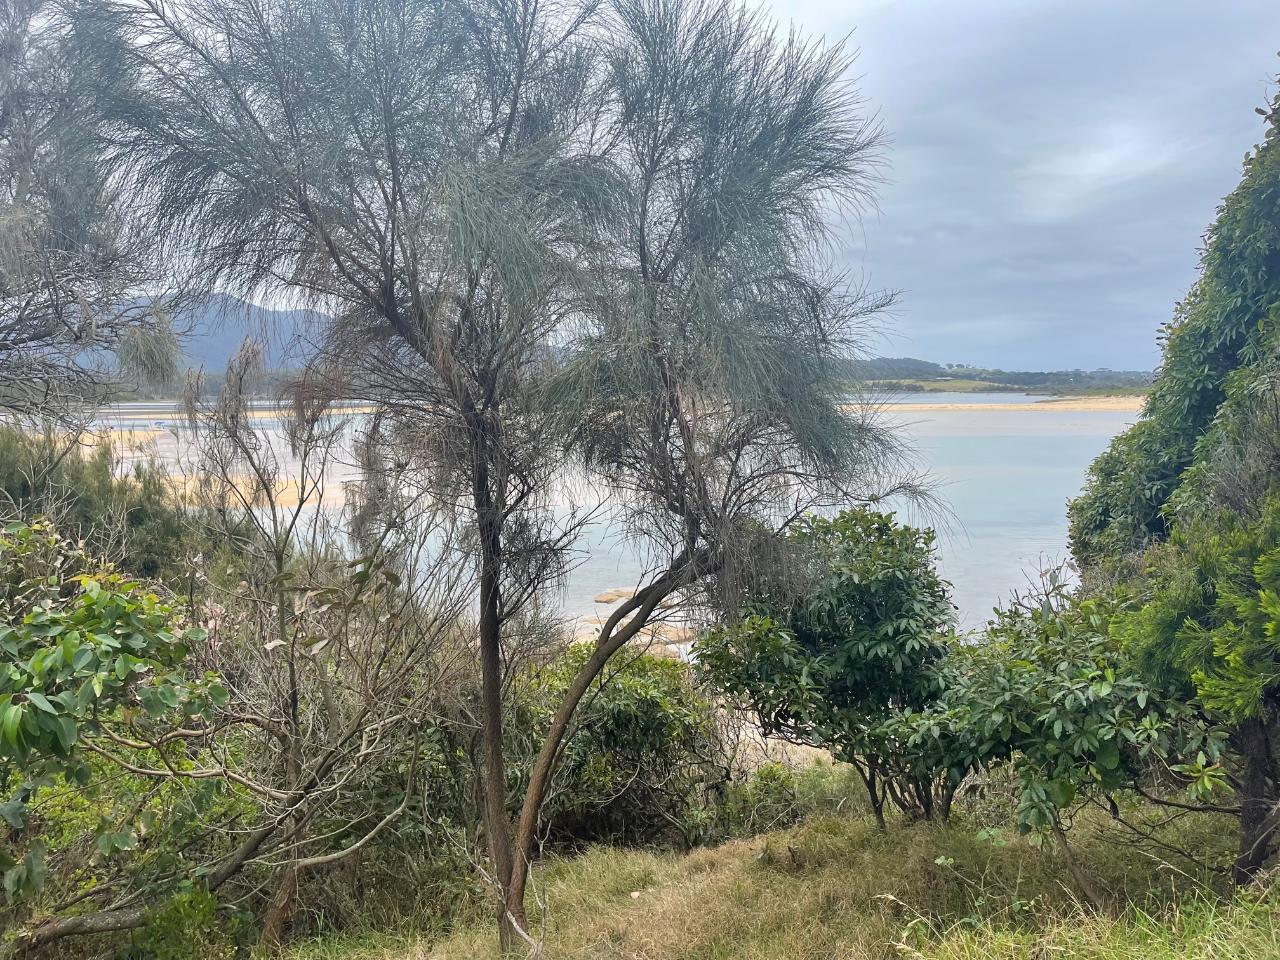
(623, 624)
(1089, 890)
(1257, 800)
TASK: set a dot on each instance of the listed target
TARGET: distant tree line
(898, 370)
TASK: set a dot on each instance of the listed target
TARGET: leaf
(67, 733)
(1062, 793)
(10, 721)
(1108, 755)
(42, 702)
(105, 844)
(14, 813)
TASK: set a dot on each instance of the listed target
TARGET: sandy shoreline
(1061, 404)
(111, 421)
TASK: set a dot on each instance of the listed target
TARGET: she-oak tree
(563, 245)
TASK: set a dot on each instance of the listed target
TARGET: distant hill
(908, 373)
(212, 331)
(897, 368)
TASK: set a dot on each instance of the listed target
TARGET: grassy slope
(835, 888)
(985, 386)
(946, 386)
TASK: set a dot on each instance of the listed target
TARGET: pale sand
(1063, 404)
(614, 595)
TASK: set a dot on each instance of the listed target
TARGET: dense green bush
(189, 925)
(1208, 624)
(92, 664)
(1048, 690)
(82, 646)
(857, 638)
(646, 758)
(126, 513)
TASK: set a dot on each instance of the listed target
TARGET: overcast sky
(1053, 164)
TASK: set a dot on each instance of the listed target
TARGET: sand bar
(1061, 404)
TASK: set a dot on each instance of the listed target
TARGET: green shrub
(856, 641)
(767, 799)
(128, 514)
(777, 795)
(645, 761)
(190, 925)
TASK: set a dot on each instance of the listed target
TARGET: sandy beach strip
(1060, 404)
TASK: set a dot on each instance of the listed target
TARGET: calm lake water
(1004, 476)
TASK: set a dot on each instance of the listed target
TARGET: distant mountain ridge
(212, 330)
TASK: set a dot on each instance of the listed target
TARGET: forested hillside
(1209, 421)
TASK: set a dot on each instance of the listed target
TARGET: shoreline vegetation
(1071, 404)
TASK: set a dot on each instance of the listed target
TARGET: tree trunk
(947, 796)
(623, 624)
(284, 902)
(1088, 889)
(510, 908)
(1256, 801)
(279, 915)
(924, 794)
(901, 795)
(873, 792)
(497, 822)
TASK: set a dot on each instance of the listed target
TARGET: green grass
(986, 386)
(1066, 391)
(836, 888)
(947, 386)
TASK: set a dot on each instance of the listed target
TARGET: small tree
(832, 659)
(1048, 690)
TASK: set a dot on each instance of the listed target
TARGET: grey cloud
(1053, 164)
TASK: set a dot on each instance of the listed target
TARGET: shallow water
(1004, 477)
